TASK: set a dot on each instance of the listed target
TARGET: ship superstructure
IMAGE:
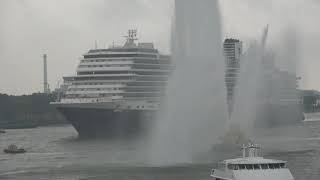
(115, 89)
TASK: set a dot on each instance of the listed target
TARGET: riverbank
(28, 111)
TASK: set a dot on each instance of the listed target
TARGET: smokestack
(45, 75)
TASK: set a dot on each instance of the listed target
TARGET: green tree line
(28, 111)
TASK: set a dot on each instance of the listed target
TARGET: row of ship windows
(152, 73)
(97, 78)
(93, 89)
(129, 84)
(120, 56)
(126, 78)
(256, 166)
(104, 60)
(134, 95)
(113, 83)
(103, 72)
(88, 96)
(124, 50)
(152, 90)
(128, 66)
(148, 61)
(84, 66)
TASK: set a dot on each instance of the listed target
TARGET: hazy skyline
(66, 29)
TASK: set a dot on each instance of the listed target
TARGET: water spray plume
(249, 88)
(194, 113)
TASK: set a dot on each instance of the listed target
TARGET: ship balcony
(97, 76)
(104, 86)
(106, 62)
(85, 92)
(94, 69)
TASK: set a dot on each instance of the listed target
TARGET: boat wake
(13, 173)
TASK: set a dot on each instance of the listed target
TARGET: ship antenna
(131, 37)
(95, 44)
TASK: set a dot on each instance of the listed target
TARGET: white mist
(194, 113)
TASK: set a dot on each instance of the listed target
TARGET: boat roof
(252, 160)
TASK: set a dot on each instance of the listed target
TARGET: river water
(56, 153)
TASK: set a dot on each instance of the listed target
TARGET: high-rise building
(233, 52)
(280, 101)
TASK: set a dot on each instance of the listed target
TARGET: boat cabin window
(242, 166)
(271, 166)
(233, 166)
(264, 166)
(256, 166)
(249, 166)
(277, 166)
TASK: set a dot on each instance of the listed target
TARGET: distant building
(232, 52)
(280, 99)
(279, 86)
(284, 88)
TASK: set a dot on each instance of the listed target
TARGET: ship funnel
(45, 75)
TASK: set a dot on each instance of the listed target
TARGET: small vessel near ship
(312, 117)
(252, 167)
(13, 149)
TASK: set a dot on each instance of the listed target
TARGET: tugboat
(252, 167)
(13, 149)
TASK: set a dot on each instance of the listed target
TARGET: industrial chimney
(45, 75)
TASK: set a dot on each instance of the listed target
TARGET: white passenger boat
(252, 167)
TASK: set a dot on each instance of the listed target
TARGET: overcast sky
(65, 29)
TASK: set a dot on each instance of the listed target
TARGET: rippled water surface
(56, 153)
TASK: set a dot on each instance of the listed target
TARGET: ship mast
(251, 150)
(131, 38)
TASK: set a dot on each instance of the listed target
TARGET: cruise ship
(115, 91)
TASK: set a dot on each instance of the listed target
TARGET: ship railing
(220, 174)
